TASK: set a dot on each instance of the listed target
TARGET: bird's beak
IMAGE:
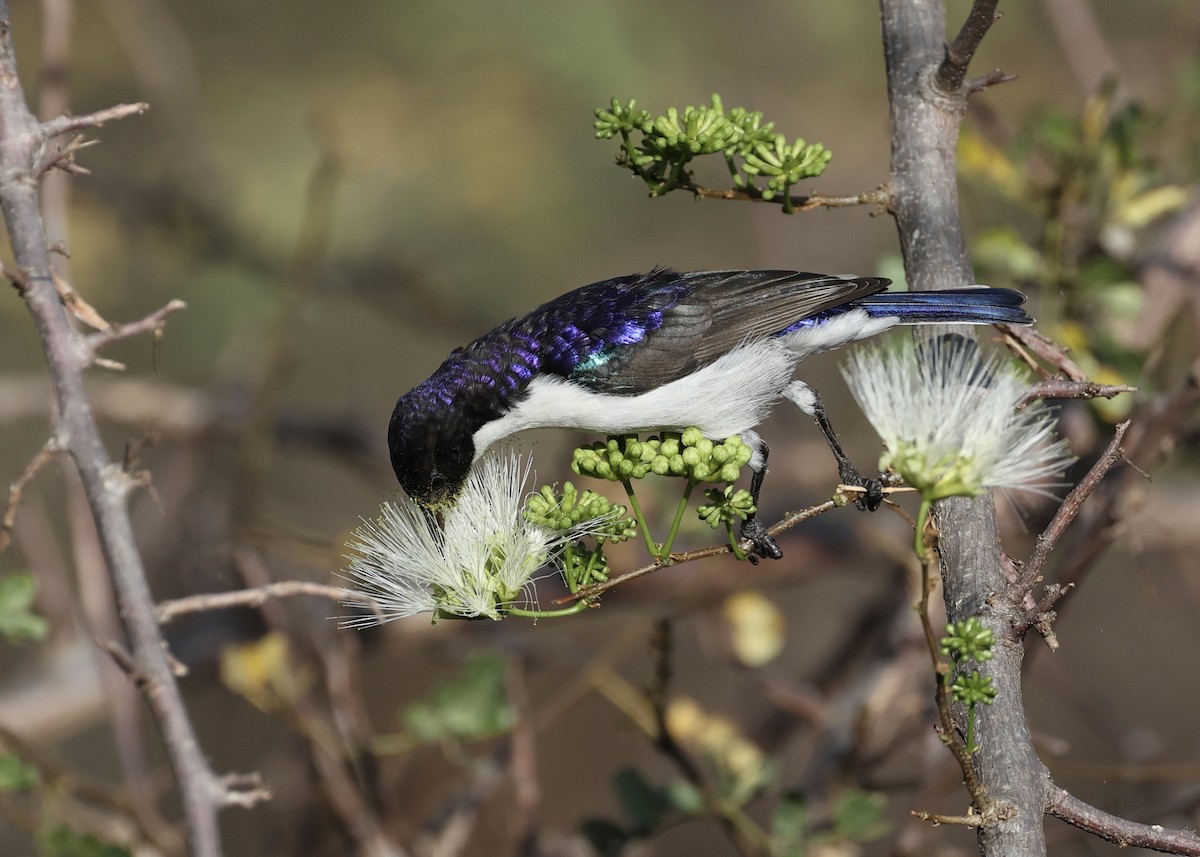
(435, 520)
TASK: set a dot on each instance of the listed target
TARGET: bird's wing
(710, 314)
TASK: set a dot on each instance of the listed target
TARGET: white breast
(726, 397)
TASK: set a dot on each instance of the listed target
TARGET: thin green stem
(641, 519)
(971, 748)
(734, 173)
(672, 181)
(586, 577)
(733, 542)
(568, 568)
(578, 607)
(683, 501)
(922, 522)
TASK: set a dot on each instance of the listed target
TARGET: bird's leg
(752, 528)
(809, 401)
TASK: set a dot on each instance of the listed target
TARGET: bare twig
(1067, 513)
(1120, 831)
(22, 141)
(169, 611)
(50, 449)
(806, 202)
(77, 306)
(995, 77)
(66, 123)
(153, 323)
(1058, 388)
(674, 559)
(936, 818)
(1044, 347)
(953, 69)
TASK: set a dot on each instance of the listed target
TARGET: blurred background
(342, 194)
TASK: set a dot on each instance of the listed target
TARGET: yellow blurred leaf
(262, 672)
(980, 159)
(756, 628)
(1144, 208)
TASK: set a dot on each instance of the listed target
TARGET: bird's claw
(764, 543)
(872, 496)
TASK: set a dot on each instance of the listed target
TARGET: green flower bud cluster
(605, 520)
(969, 639)
(619, 119)
(669, 141)
(699, 131)
(688, 454)
(785, 164)
(973, 689)
(727, 506)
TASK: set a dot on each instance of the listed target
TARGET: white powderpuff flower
(478, 563)
(952, 423)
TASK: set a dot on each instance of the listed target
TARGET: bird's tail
(980, 305)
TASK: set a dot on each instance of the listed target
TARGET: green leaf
(607, 838)
(645, 804)
(685, 797)
(64, 842)
(17, 623)
(1003, 250)
(471, 706)
(858, 816)
(15, 775)
(789, 822)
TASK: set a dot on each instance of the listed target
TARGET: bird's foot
(764, 543)
(872, 496)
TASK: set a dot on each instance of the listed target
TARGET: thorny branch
(17, 488)
(1059, 388)
(23, 143)
(1026, 340)
(153, 324)
(1068, 511)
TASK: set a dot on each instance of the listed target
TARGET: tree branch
(1042, 346)
(807, 202)
(1120, 831)
(50, 449)
(153, 323)
(66, 123)
(927, 101)
(1068, 511)
(953, 69)
(790, 520)
(22, 141)
(1059, 388)
(169, 611)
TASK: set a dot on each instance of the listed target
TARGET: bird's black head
(431, 452)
